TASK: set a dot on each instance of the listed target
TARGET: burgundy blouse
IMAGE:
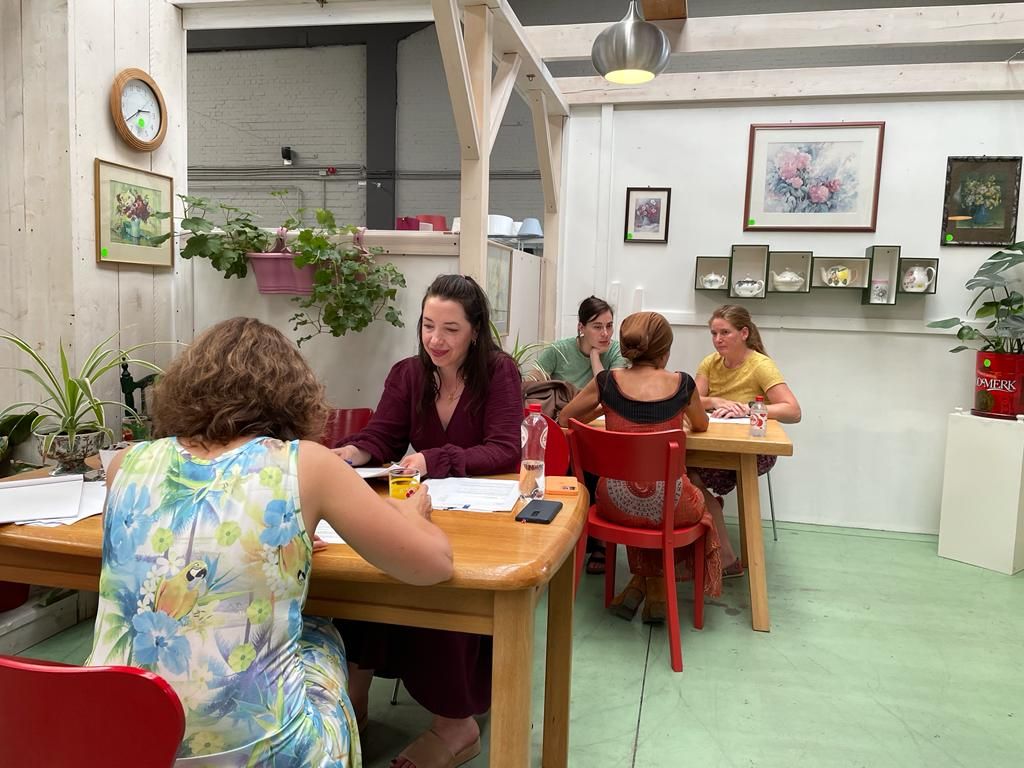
(481, 438)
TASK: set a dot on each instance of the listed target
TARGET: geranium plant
(1000, 305)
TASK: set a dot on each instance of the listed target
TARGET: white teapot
(838, 276)
(748, 287)
(918, 278)
(712, 281)
(787, 281)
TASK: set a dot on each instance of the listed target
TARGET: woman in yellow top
(728, 380)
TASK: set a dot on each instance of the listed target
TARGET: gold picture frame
(133, 216)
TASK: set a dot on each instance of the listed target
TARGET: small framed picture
(647, 212)
(133, 216)
(980, 204)
(813, 177)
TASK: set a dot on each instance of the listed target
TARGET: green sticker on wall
(949, 238)
(751, 222)
(629, 235)
(103, 253)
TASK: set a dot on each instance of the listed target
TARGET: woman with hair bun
(648, 398)
(729, 379)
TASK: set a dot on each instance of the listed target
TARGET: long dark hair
(476, 367)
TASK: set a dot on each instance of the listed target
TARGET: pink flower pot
(277, 273)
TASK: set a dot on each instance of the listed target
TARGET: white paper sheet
(367, 473)
(92, 502)
(734, 420)
(327, 533)
(41, 498)
(474, 495)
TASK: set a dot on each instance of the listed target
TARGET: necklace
(454, 394)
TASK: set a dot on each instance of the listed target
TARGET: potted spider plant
(70, 423)
(999, 363)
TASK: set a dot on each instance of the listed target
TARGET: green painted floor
(881, 655)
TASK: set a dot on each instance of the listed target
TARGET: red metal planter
(277, 273)
(998, 383)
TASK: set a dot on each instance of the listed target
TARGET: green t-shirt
(562, 360)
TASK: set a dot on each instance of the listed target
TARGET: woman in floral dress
(207, 552)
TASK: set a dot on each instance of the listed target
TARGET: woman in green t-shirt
(728, 380)
(580, 358)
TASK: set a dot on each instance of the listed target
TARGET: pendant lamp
(631, 51)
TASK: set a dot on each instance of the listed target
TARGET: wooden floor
(881, 655)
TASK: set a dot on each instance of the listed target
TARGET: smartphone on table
(539, 511)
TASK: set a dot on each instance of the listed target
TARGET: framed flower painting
(980, 204)
(133, 216)
(647, 210)
(813, 177)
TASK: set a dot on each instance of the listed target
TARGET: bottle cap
(759, 398)
(533, 408)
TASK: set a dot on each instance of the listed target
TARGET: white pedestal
(982, 517)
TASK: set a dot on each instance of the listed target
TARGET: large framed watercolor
(133, 216)
(647, 214)
(980, 204)
(813, 177)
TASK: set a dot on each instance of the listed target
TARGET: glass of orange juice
(403, 482)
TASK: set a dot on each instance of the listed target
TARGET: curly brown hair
(240, 377)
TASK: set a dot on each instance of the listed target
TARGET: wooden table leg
(558, 666)
(750, 521)
(510, 687)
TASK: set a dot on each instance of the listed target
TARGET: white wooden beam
(501, 92)
(474, 189)
(510, 37)
(551, 272)
(963, 79)
(251, 14)
(457, 71)
(547, 135)
(879, 27)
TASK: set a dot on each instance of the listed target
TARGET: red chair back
(57, 715)
(342, 422)
(642, 457)
(556, 455)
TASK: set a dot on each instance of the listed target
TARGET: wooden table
(501, 567)
(730, 446)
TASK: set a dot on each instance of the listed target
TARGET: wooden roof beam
(663, 10)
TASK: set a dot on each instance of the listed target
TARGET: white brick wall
(243, 106)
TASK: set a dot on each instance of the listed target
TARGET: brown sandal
(655, 605)
(627, 602)
(430, 751)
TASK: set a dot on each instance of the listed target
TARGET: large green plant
(70, 405)
(221, 233)
(1002, 308)
(350, 288)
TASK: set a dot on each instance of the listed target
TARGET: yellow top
(754, 376)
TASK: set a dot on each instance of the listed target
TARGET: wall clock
(138, 109)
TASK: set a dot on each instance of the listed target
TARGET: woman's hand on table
(354, 456)
(727, 409)
(415, 461)
(417, 504)
(319, 544)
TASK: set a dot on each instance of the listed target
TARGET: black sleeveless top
(644, 411)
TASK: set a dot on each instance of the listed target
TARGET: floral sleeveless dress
(640, 504)
(205, 572)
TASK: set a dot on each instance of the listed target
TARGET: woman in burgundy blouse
(459, 404)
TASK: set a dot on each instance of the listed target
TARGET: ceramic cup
(879, 291)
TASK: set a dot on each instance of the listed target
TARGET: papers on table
(370, 472)
(327, 533)
(60, 500)
(474, 495)
(733, 420)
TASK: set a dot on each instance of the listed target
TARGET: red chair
(556, 455)
(342, 422)
(644, 457)
(58, 716)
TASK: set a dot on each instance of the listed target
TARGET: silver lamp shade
(631, 51)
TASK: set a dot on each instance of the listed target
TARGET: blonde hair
(240, 377)
(739, 318)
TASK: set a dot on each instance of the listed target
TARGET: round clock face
(140, 110)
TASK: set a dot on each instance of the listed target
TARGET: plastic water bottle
(758, 417)
(534, 434)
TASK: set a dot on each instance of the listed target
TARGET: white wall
(874, 384)
(58, 61)
(243, 106)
